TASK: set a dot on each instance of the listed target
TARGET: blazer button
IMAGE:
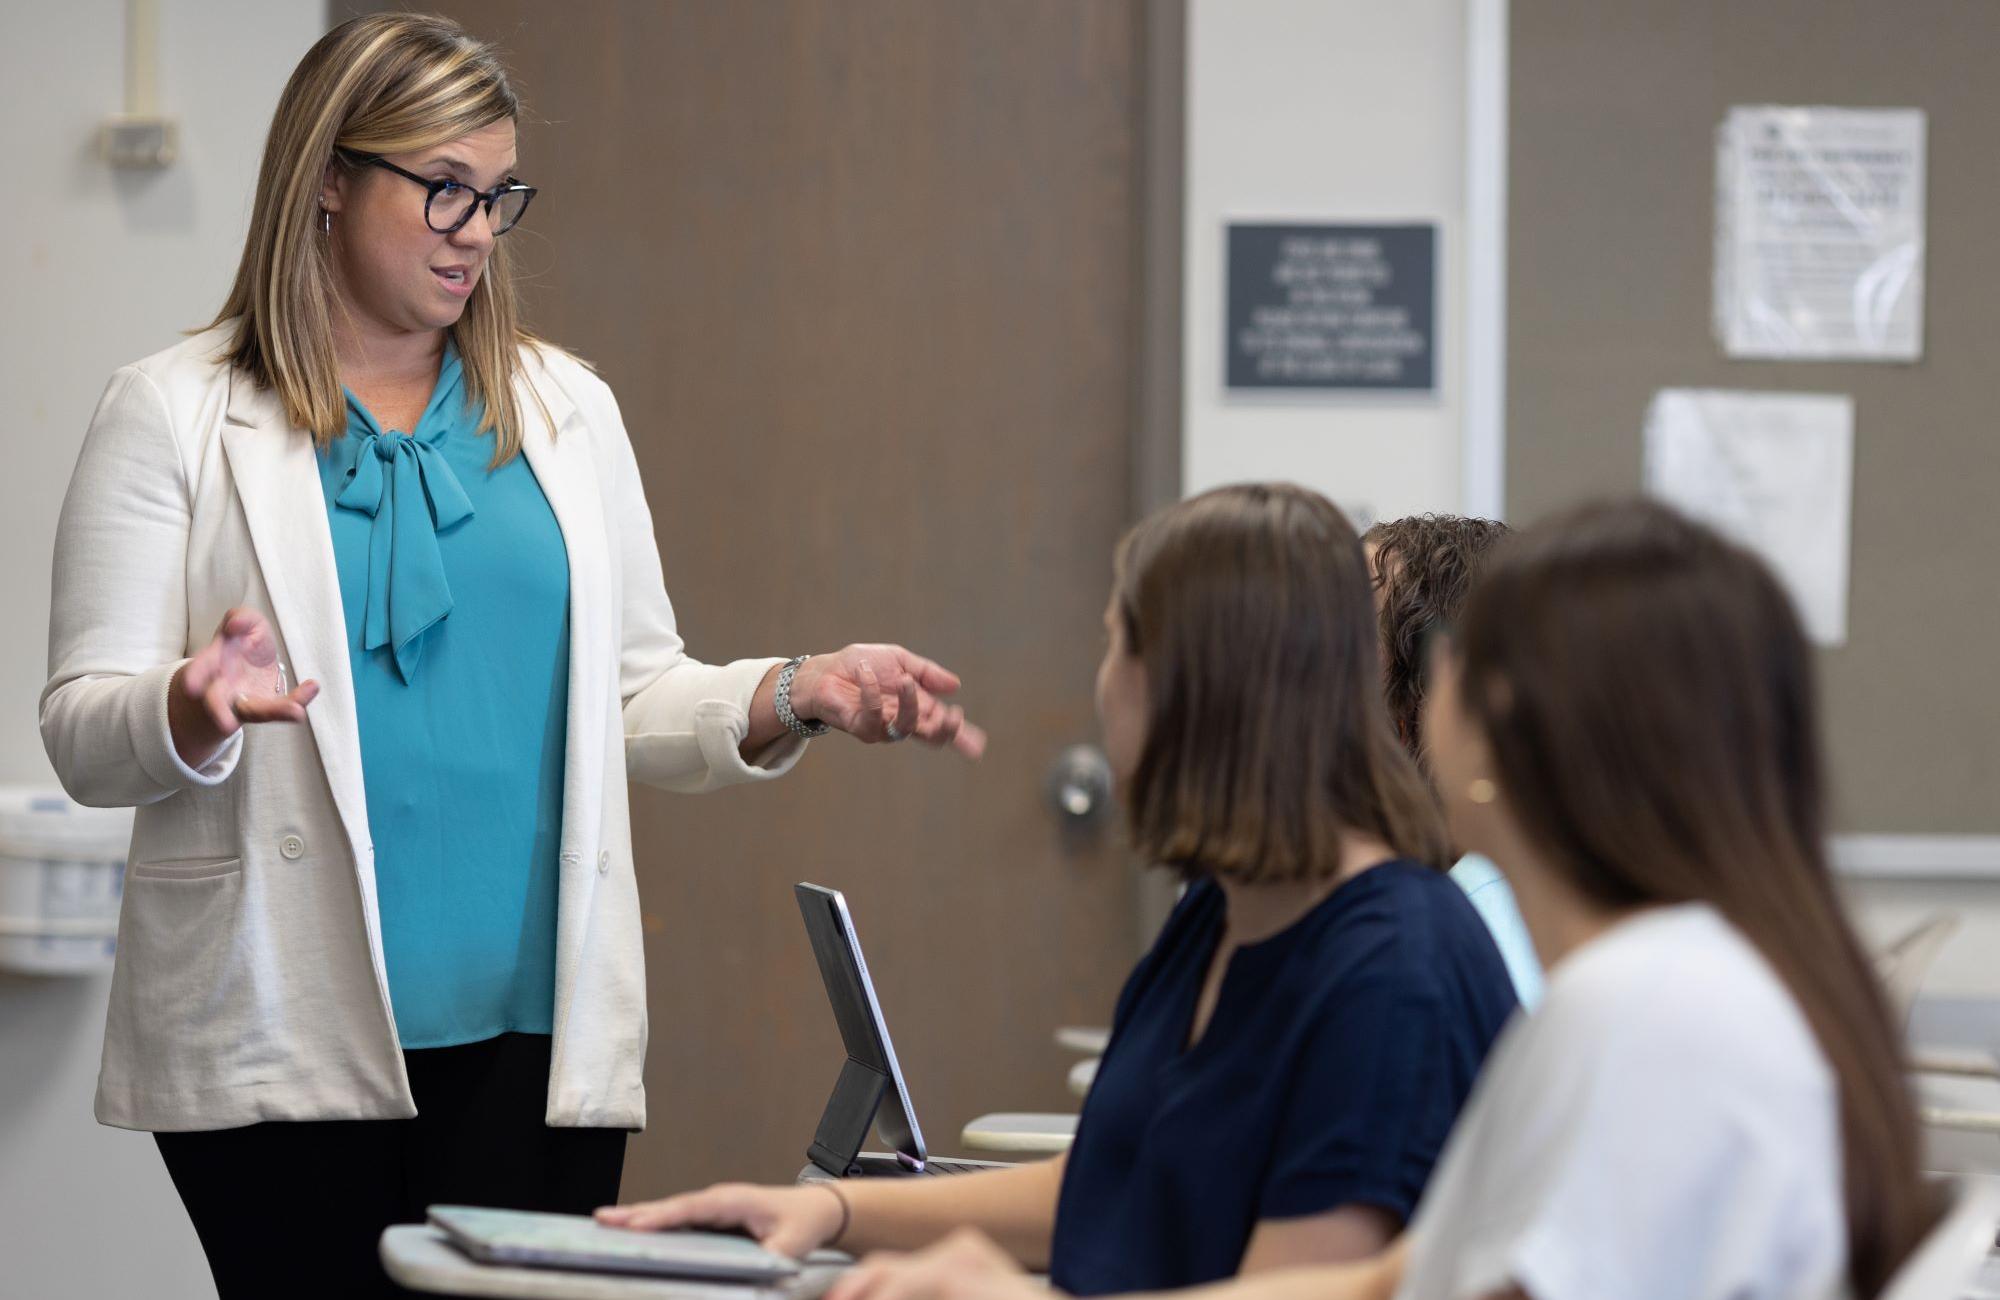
(603, 861)
(292, 847)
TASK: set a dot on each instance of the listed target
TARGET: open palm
(237, 679)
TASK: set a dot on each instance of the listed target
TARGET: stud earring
(1482, 791)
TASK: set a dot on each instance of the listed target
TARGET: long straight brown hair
(381, 84)
(1252, 611)
(1649, 698)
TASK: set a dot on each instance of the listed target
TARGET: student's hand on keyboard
(964, 1266)
(793, 1221)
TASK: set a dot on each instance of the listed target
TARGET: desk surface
(1961, 1120)
(1020, 1133)
(1988, 1285)
(419, 1257)
(1968, 1062)
(1091, 1040)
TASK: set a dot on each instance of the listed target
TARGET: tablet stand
(857, 1094)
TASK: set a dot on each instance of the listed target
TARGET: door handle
(1079, 785)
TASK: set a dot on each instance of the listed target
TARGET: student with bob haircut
(1709, 1104)
(1286, 1059)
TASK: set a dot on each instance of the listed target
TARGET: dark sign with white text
(1332, 306)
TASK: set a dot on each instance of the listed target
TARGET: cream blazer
(249, 983)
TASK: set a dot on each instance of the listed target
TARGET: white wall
(100, 268)
(1339, 110)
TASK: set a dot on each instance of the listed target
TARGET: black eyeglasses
(451, 204)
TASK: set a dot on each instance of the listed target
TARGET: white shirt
(1665, 1126)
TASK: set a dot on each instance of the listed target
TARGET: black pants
(298, 1209)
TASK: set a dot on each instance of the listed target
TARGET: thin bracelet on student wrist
(846, 1212)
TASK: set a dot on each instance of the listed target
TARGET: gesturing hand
(874, 692)
(233, 680)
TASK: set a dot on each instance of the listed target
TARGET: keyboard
(879, 1166)
(960, 1166)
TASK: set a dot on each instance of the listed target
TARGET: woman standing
(391, 956)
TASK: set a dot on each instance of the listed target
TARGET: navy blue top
(1333, 1066)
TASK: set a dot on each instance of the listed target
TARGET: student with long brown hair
(1709, 1104)
(1286, 1060)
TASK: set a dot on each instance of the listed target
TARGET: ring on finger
(889, 730)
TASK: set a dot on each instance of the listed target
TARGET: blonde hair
(381, 84)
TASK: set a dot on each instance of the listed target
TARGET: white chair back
(1946, 1265)
(1904, 963)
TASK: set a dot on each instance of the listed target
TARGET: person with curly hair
(1423, 567)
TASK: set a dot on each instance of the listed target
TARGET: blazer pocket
(185, 869)
(184, 960)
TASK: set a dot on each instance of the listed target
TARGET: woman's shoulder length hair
(380, 84)
(1251, 609)
(1648, 693)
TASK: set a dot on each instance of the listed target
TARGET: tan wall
(1611, 220)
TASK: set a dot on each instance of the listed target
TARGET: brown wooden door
(864, 277)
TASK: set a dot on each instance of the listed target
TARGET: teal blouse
(455, 584)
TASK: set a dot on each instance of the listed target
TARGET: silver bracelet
(793, 722)
(846, 1212)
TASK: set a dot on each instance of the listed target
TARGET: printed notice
(1775, 471)
(1332, 306)
(1819, 233)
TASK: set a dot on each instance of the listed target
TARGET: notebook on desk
(523, 1238)
(870, 1089)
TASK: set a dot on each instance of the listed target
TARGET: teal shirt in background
(455, 585)
(1494, 898)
